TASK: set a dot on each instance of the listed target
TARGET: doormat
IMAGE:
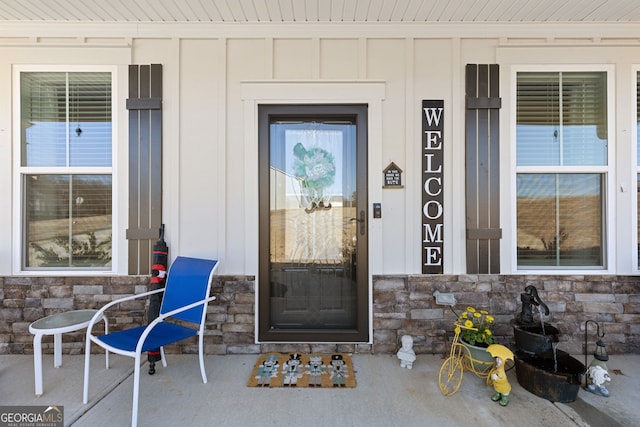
(303, 370)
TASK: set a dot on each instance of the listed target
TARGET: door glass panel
(313, 225)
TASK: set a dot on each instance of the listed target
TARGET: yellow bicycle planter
(460, 360)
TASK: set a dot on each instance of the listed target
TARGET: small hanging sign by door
(392, 176)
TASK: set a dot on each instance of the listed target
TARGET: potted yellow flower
(474, 328)
(477, 327)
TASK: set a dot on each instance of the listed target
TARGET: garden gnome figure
(498, 376)
(406, 353)
(597, 377)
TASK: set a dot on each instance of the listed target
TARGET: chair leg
(164, 360)
(87, 361)
(201, 358)
(37, 362)
(136, 391)
(106, 352)
(57, 350)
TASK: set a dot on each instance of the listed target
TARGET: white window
(64, 169)
(562, 169)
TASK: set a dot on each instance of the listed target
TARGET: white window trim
(636, 169)
(18, 170)
(610, 171)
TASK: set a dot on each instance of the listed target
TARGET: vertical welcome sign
(432, 194)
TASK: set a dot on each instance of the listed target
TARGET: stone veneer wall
(405, 305)
(401, 305)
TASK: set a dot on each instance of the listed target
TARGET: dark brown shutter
(145, 164)
(483, 169)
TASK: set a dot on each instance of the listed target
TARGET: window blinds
(561, 118)
(66, 119)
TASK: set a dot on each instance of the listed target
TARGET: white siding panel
(245, 62)
(292, 59)
(339, 59)
(386, 62)
(202, 177)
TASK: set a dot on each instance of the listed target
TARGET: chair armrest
(185, 308)
(96, 317)
(161, 318)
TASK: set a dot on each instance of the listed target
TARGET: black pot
(557, 380)
(535, 340)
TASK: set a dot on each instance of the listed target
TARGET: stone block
(37, 292)
(606, 298)
(389, 315)
(556, 306)
(558, 285)
(385, 336)
(421, 296)
(389, 285)
(387, 324)
(602, 308)
(13, 303)
(324, 348)
(33, 314)
(102, 299)
(218, 318)
(64, 291)
(245, 318)
(241, 309)
(87, 289)
(237, 327)
(384, 297)
(15, 292)
(239, 287)
(627, 285)
(218, 349)
(243, 349)
(245, 298)
(238, 338)
(217, 308)
(425, 313)
(58, 303)
(384, 348)
(363, 348)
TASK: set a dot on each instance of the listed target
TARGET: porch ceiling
(320, 11)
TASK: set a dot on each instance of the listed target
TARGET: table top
(62, 322)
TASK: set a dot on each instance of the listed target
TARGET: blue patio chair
(186, 296)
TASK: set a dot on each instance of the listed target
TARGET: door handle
(362, 222)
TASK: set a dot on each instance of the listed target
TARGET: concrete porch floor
(386, 395)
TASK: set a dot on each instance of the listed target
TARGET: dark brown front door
(313, 279)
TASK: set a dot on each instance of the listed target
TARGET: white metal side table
(56, 325)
